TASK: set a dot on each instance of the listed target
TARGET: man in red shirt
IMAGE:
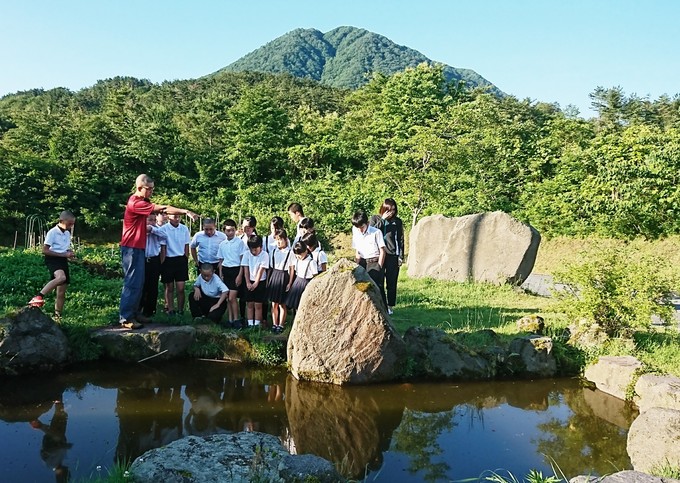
(132, 246)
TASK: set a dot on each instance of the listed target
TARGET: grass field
(92, 300)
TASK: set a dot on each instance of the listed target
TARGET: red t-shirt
(137, 211)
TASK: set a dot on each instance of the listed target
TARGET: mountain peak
(343, 57)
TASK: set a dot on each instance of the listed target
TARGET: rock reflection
(350, 427)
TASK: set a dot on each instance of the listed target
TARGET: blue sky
(553, 51)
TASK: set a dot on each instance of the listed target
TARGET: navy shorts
(229, 275)
(58, 263)
(259, 295)
(175, 269)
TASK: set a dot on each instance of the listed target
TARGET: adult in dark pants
(152, 267)
(370, 250)
(392, 229)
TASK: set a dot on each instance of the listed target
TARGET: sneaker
(37, 301)
(131, 324)
(56, 317)
(275, 329)
(390, 311)
(280, 329)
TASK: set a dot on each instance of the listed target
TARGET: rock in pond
(31, 341)
(654, 439)
(613, 374)
(342, 333)
(236, 457)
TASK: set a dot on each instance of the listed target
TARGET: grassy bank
(92, 301)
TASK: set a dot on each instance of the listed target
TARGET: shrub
(619, 289)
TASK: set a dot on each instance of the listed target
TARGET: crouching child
(210, 295)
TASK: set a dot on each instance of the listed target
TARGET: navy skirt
(295, 294)
(276, 287)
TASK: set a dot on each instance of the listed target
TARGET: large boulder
(238, 457)
(435, 354)
(164, 341)
(341, 333)
(613, 374)
(31, 341)
(657, 391)
(485, 247)
(654, 439)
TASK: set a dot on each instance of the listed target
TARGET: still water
(383, 433)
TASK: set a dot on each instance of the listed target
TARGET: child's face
(207, 274)
(230, 231)
(174, 219)
(68, 224)
(363, 228)
(248, 230)
(302, 256)
(161, 219)
(209, 229)
(151, 219)
(281, 242)
(294, 215)
(256, 251)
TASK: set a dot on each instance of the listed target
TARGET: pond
(388, 432)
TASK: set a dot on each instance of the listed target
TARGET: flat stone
(613, 374)
(654, 439)
(657, 391)
(127, 345)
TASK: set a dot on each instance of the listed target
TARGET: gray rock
(342, 333)
(626, 476)
(613, 374)
(238, 457)
(536, 355)
(435, 354)
(657, 391)
(654, 439)
(587, 335)
(485, 247)
(131, 346)
(31, 341)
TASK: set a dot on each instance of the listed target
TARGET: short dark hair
(299, 248)
(255, 241)
(281, 233)
(229, 222)
(250, 220)
(296, 208)
(207, 266)
(307, 223)
(360, 218)
(310, 239)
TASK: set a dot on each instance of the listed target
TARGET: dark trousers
(391, 277)
(201, 307)
(377, 274)
(152, 272)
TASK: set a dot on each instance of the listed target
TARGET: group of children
(241, 274)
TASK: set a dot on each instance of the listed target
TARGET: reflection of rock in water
(609, 408)
(342, 425)
(25, 398)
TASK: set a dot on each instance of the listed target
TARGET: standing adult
(133, 245)
(204, 245)
(393, 234)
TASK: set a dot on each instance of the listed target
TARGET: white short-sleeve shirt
(212, 288)
(178, 238)
(282, 258)
(207, 246)
(58, 240)
(254, 263)
(368, 243)
(306, 268)
(231, 252)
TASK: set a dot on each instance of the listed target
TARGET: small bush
(619, 289)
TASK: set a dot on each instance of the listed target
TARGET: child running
(279, 282)
(254, 265)
(305, 268)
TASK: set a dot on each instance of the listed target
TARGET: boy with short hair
(205, 243)
(370, 249)
(229, 255)
(57, 251)
(255, 264)
(210, 294)
(296, 214)
(175, 269)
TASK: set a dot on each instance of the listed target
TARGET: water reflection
(400, 432)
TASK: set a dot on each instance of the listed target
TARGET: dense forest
(343, 57)
(233, 144)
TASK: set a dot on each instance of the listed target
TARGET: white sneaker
(390, 311)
